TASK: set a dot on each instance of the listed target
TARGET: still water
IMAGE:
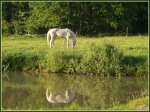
(23, 91)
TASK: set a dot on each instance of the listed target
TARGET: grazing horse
(65, 33)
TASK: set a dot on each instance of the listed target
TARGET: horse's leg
(64, 43)
(52, 41)
(67, 93)
(67, 42)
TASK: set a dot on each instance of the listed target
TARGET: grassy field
(97, 55)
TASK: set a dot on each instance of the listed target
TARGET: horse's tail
(47, 96)
(48, 37)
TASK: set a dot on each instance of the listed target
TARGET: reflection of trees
(14, 97)
(91, 92)
(36, 99)
(103, 92)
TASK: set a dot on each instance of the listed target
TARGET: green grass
(139, 104)
(129, 55)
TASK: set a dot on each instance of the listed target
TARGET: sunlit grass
(139, 104)
(135, 46)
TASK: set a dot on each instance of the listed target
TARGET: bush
(104, 60)
(56, 61)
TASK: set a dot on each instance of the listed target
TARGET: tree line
(84, 18)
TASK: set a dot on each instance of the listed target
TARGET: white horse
(65, 33)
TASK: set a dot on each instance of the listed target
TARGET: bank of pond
(96, 60)
(55, 91)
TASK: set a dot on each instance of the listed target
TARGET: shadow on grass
(135, 65)
(134, 60)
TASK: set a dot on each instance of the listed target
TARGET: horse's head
(73, 43)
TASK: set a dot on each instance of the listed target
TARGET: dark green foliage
(84, 18)
(19, 62)
(14, 17)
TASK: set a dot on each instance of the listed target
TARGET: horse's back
(56, 32)
(60, 30)
(54, 29)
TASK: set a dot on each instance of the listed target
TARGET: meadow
(120, 56)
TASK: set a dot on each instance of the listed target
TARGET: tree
(14, 16)
(84, 18)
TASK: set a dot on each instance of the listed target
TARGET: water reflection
(60, 98)
(22, 91)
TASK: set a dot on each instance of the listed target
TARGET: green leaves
(84, 18)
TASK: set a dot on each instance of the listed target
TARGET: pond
(57, 91)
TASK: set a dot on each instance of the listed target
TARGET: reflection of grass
(73, 106)
(139, 104)
(26, 54)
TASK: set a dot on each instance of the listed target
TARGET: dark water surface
(22, 91)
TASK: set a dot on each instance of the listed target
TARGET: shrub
(104, 60)
(57, 61)
(73, 65)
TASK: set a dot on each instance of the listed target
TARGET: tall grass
(101, 56)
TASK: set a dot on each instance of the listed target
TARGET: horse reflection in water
(61, 98)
